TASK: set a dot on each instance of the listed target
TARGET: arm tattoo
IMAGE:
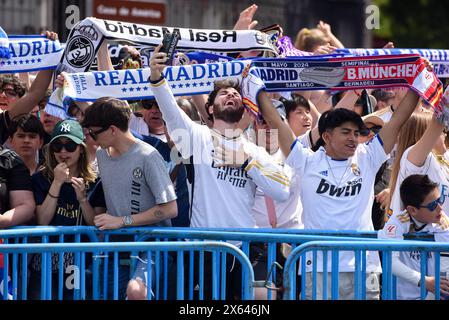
(158, 214)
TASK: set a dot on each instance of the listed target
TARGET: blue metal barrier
(359, 248)
(98, 250)
(271, 238)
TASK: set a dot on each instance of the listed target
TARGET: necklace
(332, 172)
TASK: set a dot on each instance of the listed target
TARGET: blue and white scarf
(132, 84)
(4, 44)
(31, 53)
(86, 37)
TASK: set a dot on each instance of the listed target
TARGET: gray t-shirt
(135, 181)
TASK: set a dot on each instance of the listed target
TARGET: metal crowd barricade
(388, 285)
(41, 234)
(271, 238)
(97, 249)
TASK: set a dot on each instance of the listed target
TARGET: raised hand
(325, 49)
(389, 45)
(59, 82)
(245, 21)
(51, 35)
(324, 27)
(157, 63)
(61, 173)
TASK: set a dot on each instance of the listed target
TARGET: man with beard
(227, 167)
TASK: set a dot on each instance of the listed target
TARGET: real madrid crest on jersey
(355, 170)
(80, 50)
(137, 173)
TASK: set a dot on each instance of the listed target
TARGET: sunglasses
(68, 146)
(94, 134)
(434, 204)
(9, 93)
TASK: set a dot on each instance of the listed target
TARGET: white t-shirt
(138, 124)
(437, 172)
(399, 224)
(222, 196)
(338, 195)
(161, 137)
(288, 213)
(305, 139)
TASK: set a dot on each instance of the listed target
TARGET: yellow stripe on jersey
(283, 182)
(160, 83)
(273, 175)
(404, 217)
(271, 172)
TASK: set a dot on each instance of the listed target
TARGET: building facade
(347, 17)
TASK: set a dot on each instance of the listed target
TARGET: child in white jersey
(423, 212)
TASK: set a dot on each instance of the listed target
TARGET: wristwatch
(127, 221)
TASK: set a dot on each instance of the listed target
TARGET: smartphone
(169, 43)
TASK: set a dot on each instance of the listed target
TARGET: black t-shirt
(5, 123)
(68, 209)
(14, 176)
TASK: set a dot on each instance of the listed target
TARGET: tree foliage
(414, 24)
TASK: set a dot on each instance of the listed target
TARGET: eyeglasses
(68, 146)
(374, 129)
(9, 93)
(94, 134)
(434, 204)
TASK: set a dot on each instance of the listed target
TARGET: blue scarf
(4, 44)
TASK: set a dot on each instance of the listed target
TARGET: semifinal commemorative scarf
(4, 44)
(439, 58)
(31, 53)
(340, 74)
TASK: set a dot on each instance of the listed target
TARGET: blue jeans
(140, 272)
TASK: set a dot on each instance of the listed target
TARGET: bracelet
(156, 81)
(52, 196)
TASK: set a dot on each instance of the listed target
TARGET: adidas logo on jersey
(324, 173)
(349, 190)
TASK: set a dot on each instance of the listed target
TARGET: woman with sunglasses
(61, 185)
(61, 188)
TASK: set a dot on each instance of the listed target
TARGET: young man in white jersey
(223, 189)
(423, 213)
(337, 181)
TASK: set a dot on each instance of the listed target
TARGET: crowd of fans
(350, 160)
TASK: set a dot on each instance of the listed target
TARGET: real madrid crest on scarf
(80, 50)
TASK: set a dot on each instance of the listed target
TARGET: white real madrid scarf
(133, 84)
(31, 53)
(86, 37)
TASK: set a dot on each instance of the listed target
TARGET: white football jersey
(401, 223)
(338, 195)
